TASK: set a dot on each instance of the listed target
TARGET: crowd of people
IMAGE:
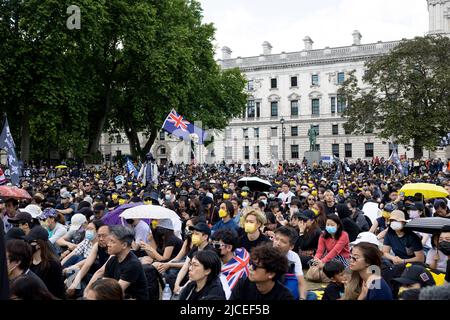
(231, 241)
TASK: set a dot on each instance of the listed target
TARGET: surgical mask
(413, 214)
(250, 227)
(148, 202)
(226, 196)
(264, 201)
(271, 196)
(177, 184)
(244, 193)
(244, 204)
(168, 197)
(225, 185)
(386, 214)
(90, 235)
(331, 229)
(154, 224)
(444, 247)
(396, 225)
(222, 213)
(196, 240)
(122, 201)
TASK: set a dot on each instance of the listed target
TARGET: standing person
(45, 263)
(204, 270)
(148, 175)
(333, 243)
(123, 265)
(365, 284)
(285, 238)
(250, 233)
(268, 265)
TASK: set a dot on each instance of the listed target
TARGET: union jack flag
(237, 267)
(178, 121)
(178, 126)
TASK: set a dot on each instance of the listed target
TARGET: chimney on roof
(356, 38)
(308, 43)
(267, 48)
(226, 53)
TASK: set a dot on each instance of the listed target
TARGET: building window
(274, 132)
(294, 108)
(228, 153)
(346, 131)
(317, 129)
(245, 133)
(294, 82)
(340, 104)
(162, 150)
(294, 151)
(162, 135)
(228, 133)
(246, 152)
(348, 150)
(315, 106)
(294, 131)
(251, 108)
(274, 152)
(118, 139)
(369, 150)
(257, 152)
(273, 83)
(335, 149)
(335, 129)
(340, 78)
(258, 109)
(250, 85)
(315, 79)
(333, 104)
(256, 131)
(274, 109)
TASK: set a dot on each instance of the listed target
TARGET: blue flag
(7, 144)
(181, 128)
(394, 158)
(131, 168)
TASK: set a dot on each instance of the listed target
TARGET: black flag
(7, 143)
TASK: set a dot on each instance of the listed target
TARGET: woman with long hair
(166, 245)
(45, 263)
(366, 282)
(309, 234)
(319, 209)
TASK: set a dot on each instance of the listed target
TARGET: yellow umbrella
(428, 190)
(61, 167)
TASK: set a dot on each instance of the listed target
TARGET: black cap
(36, 233)
(99, 207)
(207, 200)
(21, 217)
(446, 228)
(416, 274)
(201, 227)
(14, 234)
(306, 215)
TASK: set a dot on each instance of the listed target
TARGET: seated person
(226, 221)
(335, 271)
(75, 234)
(309, 234)
(381, 224)
(268, 265)
(414, 277)
(250, 234)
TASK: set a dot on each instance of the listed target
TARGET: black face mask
(444, 247)
(129, 221)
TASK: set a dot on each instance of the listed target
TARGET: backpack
(290, 281)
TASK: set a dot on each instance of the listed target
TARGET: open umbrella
(428, 190)
(427, 225)
(113, 218)
(255, 183)
(61, 166)
(148, 211)
(14, 192)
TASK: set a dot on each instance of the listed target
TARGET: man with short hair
(11, 207)
(284, 240)
(330, 202)
(285, 195)
(123, 265)
(444, 247)
(66, 207)
(23, 220)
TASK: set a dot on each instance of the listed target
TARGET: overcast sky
(243, 25)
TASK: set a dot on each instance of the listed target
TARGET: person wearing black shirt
(330, 202)
(123, 265)
(444, 247)
(204, 270)
(309, 234)
(268, 265)
(335, 271)
(350, 226)
(250, 235)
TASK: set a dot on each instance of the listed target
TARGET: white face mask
(413, 214)
(244, 204)
(396, 225)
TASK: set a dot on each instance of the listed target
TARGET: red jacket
(333, 248)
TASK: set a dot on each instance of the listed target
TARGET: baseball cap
(367, 237)
(21, 217)
(48, 212)
(99, 207)
(389, 207)
(14, 234)
(201, 227)
(66, 195)
(166, 224)
(36, 233)
(416, 274)
(207, 200)
(77, 220)
(306, 215)
(32, 209)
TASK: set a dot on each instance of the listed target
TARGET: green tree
(404, 94)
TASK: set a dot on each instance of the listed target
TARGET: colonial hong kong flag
(237, 267)
(178, 126)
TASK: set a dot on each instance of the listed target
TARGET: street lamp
(283, 137)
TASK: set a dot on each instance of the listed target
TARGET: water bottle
(167, 293)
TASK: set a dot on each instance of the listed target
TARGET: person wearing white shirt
(286, 195)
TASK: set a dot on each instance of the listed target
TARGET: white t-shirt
(286, 197)
(141, 232)
(442, 262)
(293, 258)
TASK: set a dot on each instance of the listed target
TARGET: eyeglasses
(218, 245)
(254, 266)
(311, 199)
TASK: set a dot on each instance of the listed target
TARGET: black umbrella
(428, 225)
(254, 183)
(4, 281)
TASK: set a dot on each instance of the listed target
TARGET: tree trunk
(25, 139)
(95, 142)
(418, 150)
(149, 143)
(133, 140)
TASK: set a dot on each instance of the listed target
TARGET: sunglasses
(218, 245)
(254, 266)
(311, 199)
